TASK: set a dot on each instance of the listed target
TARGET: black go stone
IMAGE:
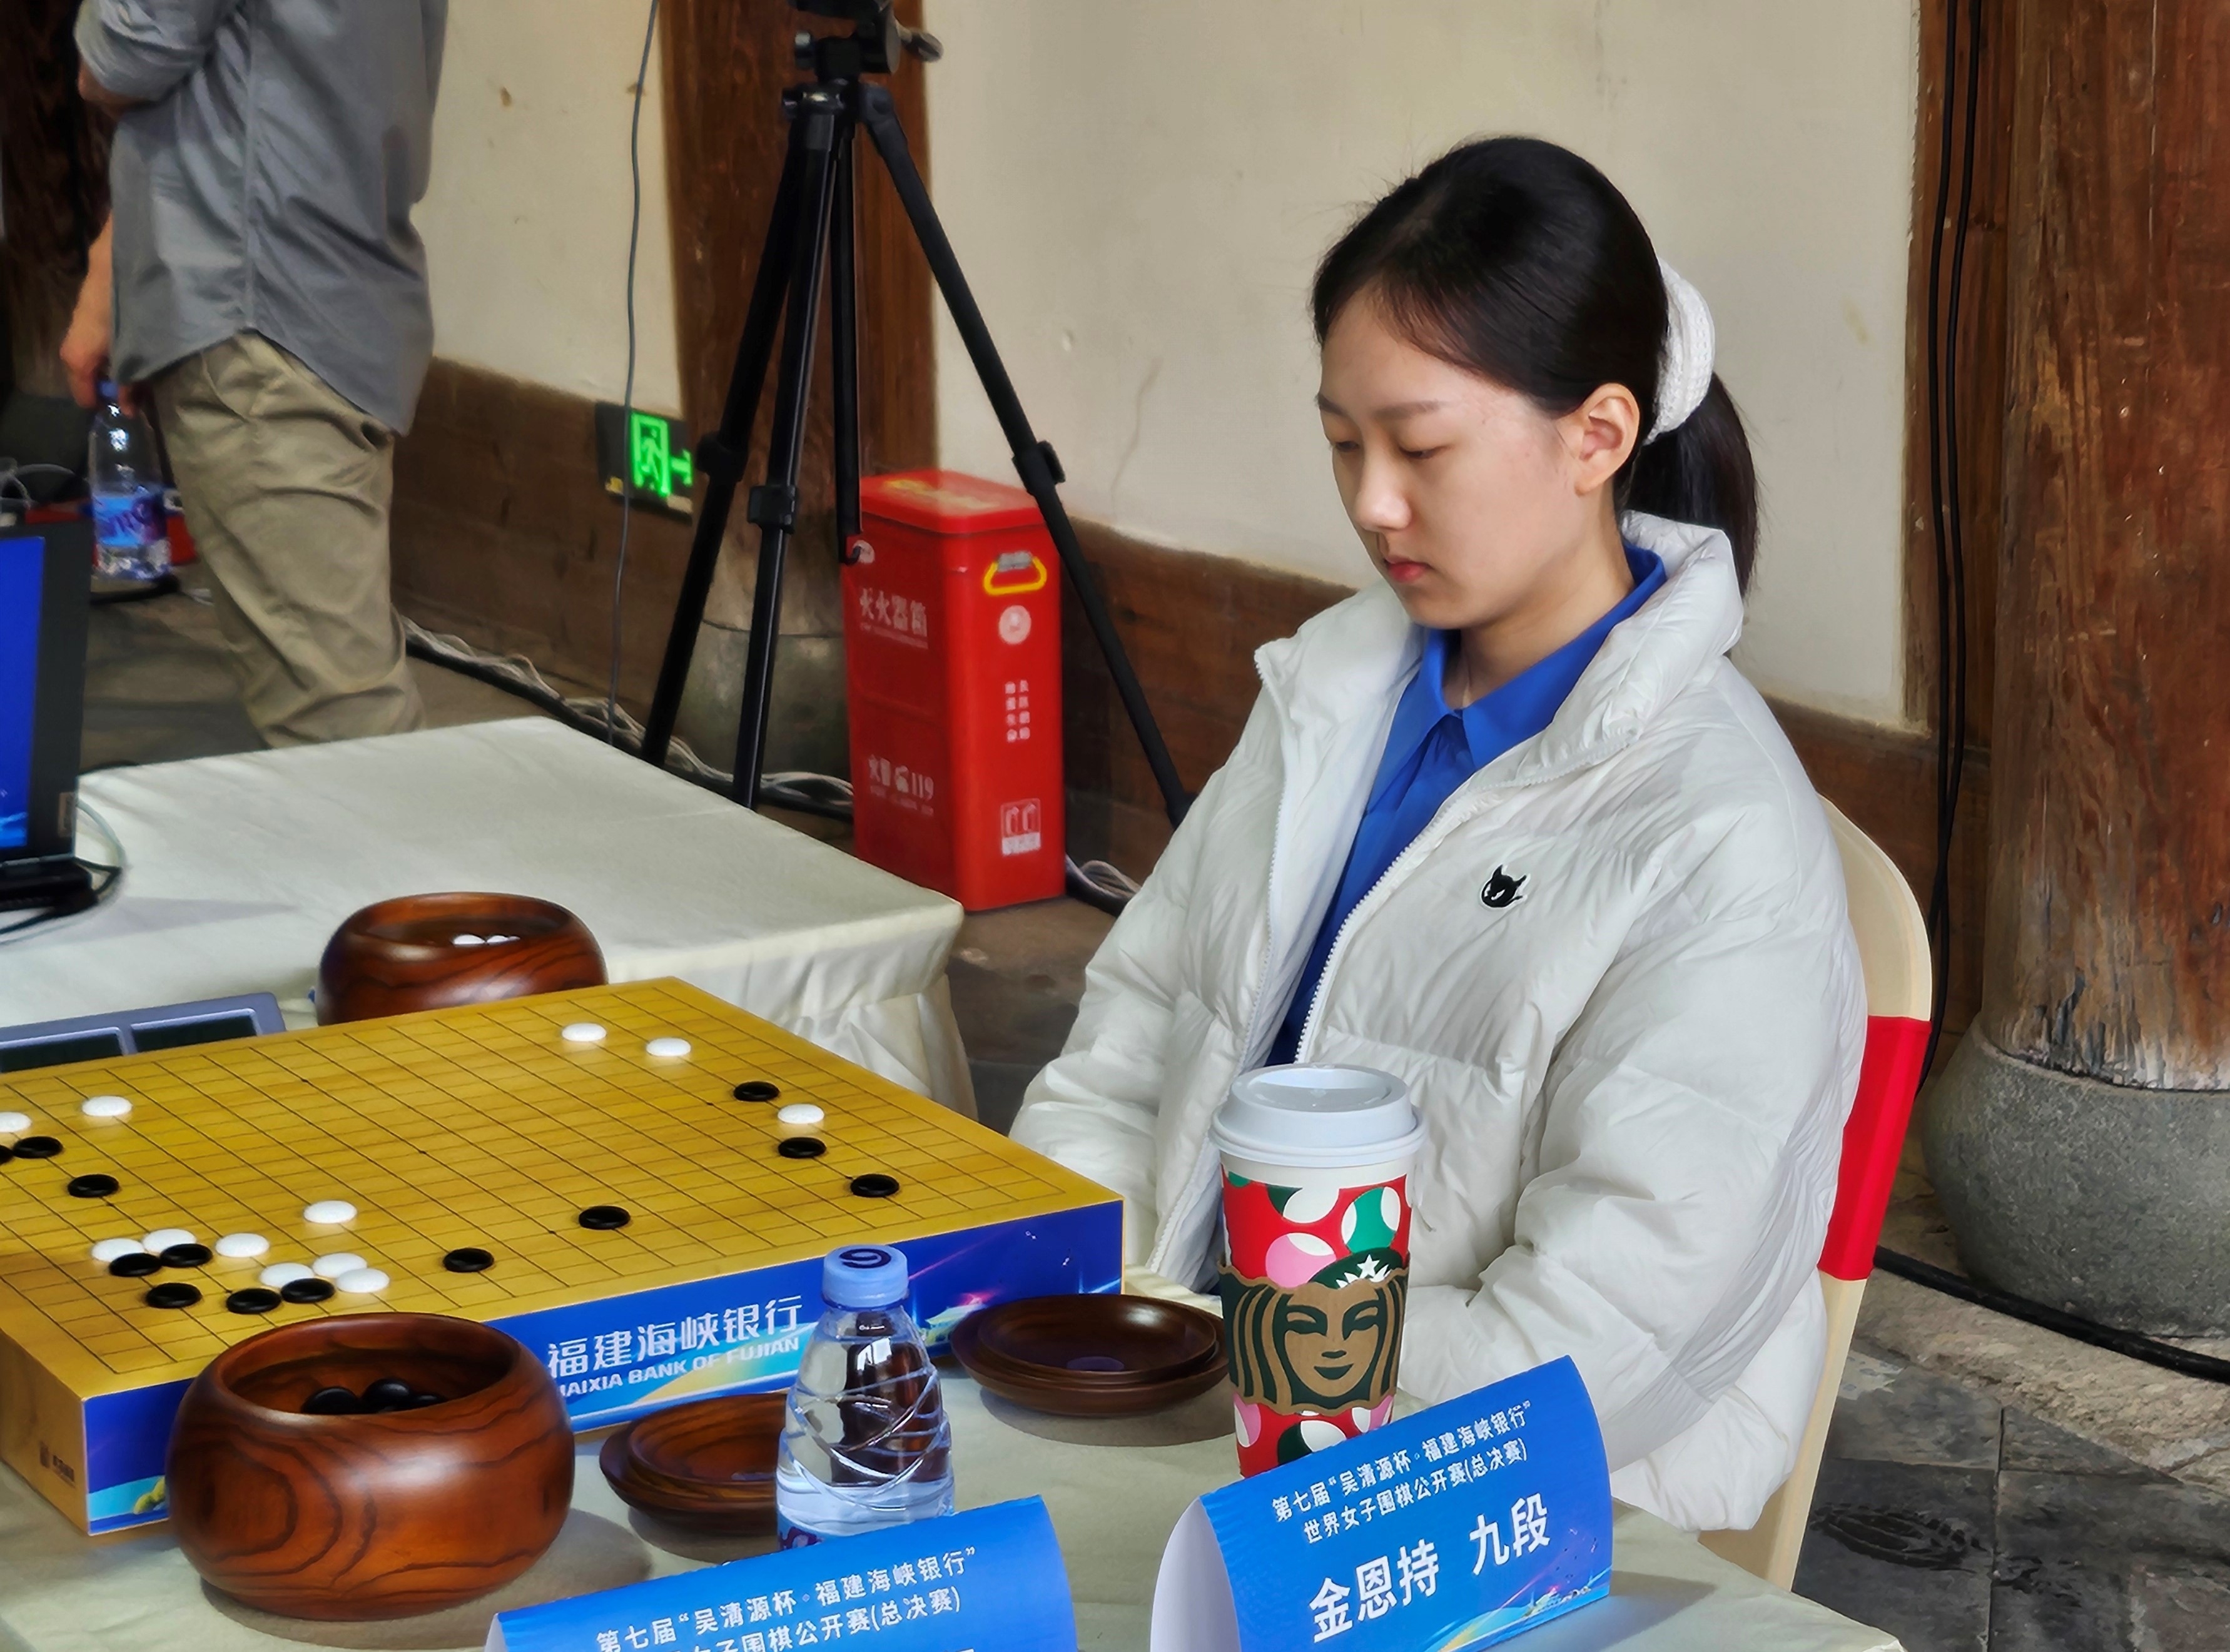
(136, 1264)
(757, 1090)
(95, 1186)
(254, 1300)
(37, 1147)
(331, 1401)
(6, 1153)
(420, 1401)
(874, 1185)
(308, 1290)
(387, 1394)
(604, 1216)
(468, 1259)
(186, 1256)
(801, 1147)
(174, 1294)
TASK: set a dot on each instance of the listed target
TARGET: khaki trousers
(286, 487)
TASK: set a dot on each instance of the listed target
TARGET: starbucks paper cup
(1316, 1270)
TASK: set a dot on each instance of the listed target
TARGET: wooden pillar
(2081, 1142)
(725, 65)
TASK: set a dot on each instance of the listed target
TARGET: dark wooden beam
(53, 182)
(2109, 943)
(725, 65)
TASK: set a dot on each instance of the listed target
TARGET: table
(242, 867)
(1115, 1489)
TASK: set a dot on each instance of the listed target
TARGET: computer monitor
(46, 583)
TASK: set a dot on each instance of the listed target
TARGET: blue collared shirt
(1431, 750)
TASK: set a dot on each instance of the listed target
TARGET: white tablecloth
(1114, 1490)
(240, 868)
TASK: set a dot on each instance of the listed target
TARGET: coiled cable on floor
(594, 715)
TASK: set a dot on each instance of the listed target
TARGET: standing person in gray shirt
(260, 277)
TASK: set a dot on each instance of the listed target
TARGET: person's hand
(86, 345)
(85, 352)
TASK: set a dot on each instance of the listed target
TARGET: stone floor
(1955, 1522)
(157, 686)
(1972, 1497)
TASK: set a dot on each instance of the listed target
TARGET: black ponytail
(1516, 259)
(1700, 471)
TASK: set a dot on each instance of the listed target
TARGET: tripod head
(874, 47)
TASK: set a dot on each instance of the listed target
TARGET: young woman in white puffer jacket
(1509, 825)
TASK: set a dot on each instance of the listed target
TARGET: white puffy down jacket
(1634, 1076)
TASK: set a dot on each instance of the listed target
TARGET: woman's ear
(1599, 435)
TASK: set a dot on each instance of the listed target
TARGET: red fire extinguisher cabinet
(952, 660)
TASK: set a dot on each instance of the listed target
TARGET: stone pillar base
(2110, 1202)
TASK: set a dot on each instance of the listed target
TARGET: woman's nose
(1381, 506)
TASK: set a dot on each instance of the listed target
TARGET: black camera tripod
(812, 234)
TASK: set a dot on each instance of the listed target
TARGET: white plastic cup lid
(1317, 1118)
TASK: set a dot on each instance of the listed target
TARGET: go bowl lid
(1317, 1117)
(864, 1276)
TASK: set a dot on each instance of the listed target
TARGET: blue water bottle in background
(864, 1440)
(129, 538)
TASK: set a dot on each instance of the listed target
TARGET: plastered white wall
(1140, 190)
(525, 219)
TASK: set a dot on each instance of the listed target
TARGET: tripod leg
(1033, 459)
(844, 344)
(773, 507)
(723, 452)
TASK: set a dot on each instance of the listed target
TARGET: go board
(651, 1224)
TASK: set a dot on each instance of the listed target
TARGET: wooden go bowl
(398, 956)
(1091, 1356)
(707, 1465)
(723, 1447)
(371, 1516)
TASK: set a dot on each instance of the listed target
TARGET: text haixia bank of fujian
(574, 1360)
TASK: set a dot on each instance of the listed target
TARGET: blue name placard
(990, 1579)
(1459, 1527)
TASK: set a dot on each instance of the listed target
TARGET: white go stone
(667, 1047)
(12, 1123)
(330, 1212)
(333, 1264)
(800, 1112)
(103, 1106)
(279, 1275)
(467, 940)
(163, 1238)
(107, 1250)
(242, 1245)
(582, 1032)
(362, 1281)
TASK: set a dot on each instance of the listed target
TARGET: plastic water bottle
(864, 1442)
(130, 541)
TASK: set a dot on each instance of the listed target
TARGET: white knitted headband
(1685, 375)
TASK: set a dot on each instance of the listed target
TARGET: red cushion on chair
(1872, 1141)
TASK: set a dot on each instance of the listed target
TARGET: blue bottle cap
(864, 1276)
(108, 388)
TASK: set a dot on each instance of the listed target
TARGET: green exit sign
(650, 451)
